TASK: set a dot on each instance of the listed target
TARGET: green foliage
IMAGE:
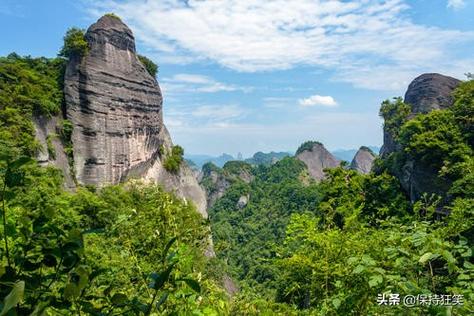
(28, 87)
(246, 238)
(434, 138)
(237, 167)
(75, 44)
(463, 109)
(308, 145)
(395, 113)
(261, 158)
(82, 253)
(113, 15)
(50, 147)
(150, 66)
(173, 160)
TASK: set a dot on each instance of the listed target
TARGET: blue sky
(244, 76)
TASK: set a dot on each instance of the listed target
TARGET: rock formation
(430, 92)
(216, 181)
(115, 107)
(425, 93)
(363, 160)
(317, 158)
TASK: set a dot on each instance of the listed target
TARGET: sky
(262, 75)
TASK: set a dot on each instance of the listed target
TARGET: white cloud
(251, 35)
(456, 4)
(318, 100)
(197, 83)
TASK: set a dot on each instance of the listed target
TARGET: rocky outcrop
(216, 181)
(115, 107)
(430, 92)
(363, 160)
(47, 130)
(317, 158)
(425, 93)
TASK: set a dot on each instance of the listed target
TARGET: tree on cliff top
(74, 43)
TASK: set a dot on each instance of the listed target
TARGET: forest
(297, 246)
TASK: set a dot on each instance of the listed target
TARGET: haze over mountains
(260, 157)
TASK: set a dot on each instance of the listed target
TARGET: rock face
(430, 92)
(317, 158)
(425, 93)
(363, 160)
(115, 107)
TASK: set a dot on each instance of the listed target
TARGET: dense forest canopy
(292, 245)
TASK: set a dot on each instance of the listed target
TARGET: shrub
(308, 145)
(150, 66)
(74, 43)
(395, 113)
(174, 159)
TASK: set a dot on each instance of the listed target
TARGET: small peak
(310, 146)
(363, 160)
(430, 91)
(111, 29)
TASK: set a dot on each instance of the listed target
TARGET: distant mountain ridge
(266, 158)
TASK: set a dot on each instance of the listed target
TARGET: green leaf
(193, 284)
(358, 269)
(168, 246)
(336, 302)
(159, 279)
(119, 299)
(14, 297)
(375, 280)
(425, 257)
(162, 300)
(20, 162)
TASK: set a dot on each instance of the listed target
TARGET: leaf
(20, 162)
(193, 284)
(159, 279)
(358, 269)
(14, 297)
(162, 300)
(375, 280)
(119, 299)
(336, 302)
(425, 257)
(168, 246)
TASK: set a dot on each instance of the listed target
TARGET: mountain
(113, 107)
(201, 160)
(316, 157)
(261, 158)
(425, 94)
(363, 160)
(348, 154)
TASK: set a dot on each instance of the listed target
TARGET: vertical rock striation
(115, 107)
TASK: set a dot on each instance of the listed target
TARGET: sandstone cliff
(363, 160)
(317, 158)
(425, 93)
(115, 107)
